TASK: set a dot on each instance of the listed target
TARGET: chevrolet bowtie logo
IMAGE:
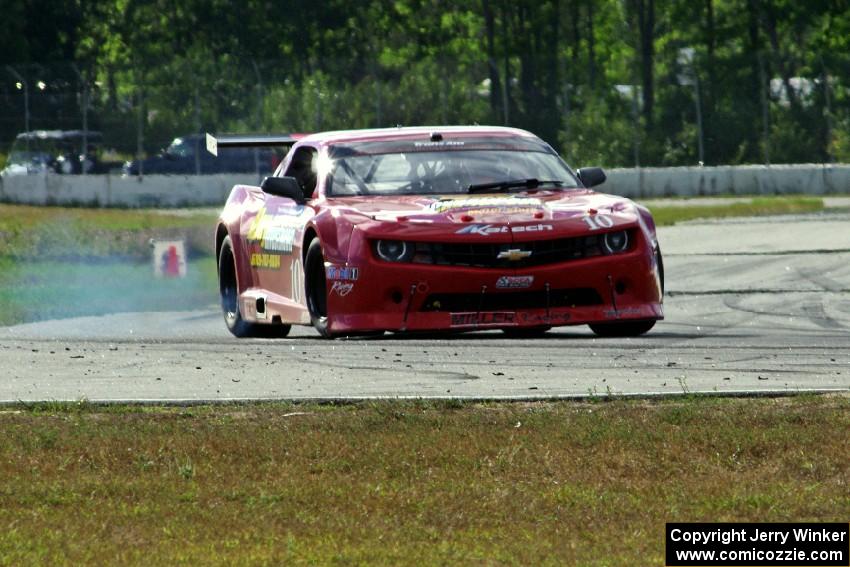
(514, 254)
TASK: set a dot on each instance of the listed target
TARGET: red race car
(432, 229)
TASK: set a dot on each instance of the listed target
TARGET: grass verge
(60, 262)
(758, 206)
(391, 483)
(39, 233)
(33, 291)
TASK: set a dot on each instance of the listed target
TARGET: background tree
(603, 81)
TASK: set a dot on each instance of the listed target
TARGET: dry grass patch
(409, 483)
(33, 233)
(757, 206)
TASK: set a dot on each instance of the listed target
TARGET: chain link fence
(699, 118)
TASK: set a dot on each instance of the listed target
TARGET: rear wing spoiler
(250, 141)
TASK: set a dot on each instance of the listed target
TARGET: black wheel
(316, 288)
(622, 329)
(526, 332)
(228, 290)
(660, 262)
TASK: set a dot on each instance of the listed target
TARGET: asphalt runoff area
(757, 305)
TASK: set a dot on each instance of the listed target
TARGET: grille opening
(485, 255)
(512, 300)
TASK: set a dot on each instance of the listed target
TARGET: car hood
(527, 207)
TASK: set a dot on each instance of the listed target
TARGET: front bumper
(422, 297)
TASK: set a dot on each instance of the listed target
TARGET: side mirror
(283, 187)
(591, 176)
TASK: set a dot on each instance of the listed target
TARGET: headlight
(616, 241)
(394, 250)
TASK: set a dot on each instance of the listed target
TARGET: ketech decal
(483, 202)
(482, 319)
(488, 229)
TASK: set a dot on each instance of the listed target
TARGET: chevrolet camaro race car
(432, 229)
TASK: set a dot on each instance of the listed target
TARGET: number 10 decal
(596, 222)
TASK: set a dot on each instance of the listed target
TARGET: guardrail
(118, 191)
(811, 179)
(206, 190)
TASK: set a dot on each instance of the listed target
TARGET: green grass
(31, 291)
(63, 262)
(400, 483)
(38, 233)
(758, 206)
(99, 219)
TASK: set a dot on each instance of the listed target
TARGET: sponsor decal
(488, 229)
(290, 211)
(266, 261)
(278, 239)
(437, 144)
(617, 313)
(274, 233)
(503, 211)
(342, 288)
(475, 319)
(342, 273)
(543, 319)
(514, 282)
(483, 202)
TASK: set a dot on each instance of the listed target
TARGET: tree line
(611, 82)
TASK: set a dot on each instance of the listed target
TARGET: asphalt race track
(754, 305)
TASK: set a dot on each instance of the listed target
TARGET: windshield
(440, 172)
(39, 151)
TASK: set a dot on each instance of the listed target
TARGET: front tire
(229, 292)
(316, 288)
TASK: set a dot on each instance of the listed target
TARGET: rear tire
(229, 292)
(317, 289)
(622, 329)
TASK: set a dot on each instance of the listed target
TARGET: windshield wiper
(500, 186)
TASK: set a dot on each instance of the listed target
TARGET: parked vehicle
(68, 152)
(186, 155)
